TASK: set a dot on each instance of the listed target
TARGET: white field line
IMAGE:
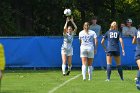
(61, 85)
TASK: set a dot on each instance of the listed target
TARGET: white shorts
(87, 51)
(67, 52)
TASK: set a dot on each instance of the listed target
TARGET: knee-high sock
(120, 71)
(84, 71)
(64, 68)
(90, 72)
(108, 71)
(138, 75)
(69, 67)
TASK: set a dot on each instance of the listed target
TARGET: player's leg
(69, 64)
(84, 63)
(138, 75)
(89, 61)
(109, 65)
(119, 67)
(90, 68)
(64, 59)
(69, 55)
(83, 55)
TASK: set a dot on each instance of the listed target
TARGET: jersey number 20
(113, 34)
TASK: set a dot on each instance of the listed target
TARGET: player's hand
(105, 49)
(67, 20)
(123, 52)
(71, 19)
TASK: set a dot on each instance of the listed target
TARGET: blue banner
(46, 52)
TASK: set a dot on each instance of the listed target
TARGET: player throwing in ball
(88, 40)
(113, 36)
(67, 49)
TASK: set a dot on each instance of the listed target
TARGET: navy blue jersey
(112, 37)
(137, 34)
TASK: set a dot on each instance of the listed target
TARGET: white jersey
(87, 39)
(68, 39)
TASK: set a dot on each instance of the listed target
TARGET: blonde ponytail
(114, 26)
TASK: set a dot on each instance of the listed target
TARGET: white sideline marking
(59, 86)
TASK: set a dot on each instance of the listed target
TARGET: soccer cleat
(138, 84)
(64, 74)
(68, 73)
(84, 79)
(89, 79)
(107, 80)
(122, 79)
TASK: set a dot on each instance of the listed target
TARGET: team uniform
(2, 58)
(113, 49)
(137, 53)
(67, 48)
(87, 43)
(137, 57)
(87, 49)
(112, 37)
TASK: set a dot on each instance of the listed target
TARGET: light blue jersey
(68, 39)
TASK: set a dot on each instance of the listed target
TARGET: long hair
(114, 26)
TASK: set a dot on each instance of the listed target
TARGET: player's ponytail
(114, 26)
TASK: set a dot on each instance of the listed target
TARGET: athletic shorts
(87, 51)
(137, 55)
(113, 53)
(2, 58)
(67, 52)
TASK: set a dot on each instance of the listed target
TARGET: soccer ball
(67, 12)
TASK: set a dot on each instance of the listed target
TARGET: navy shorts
(137, 55)
(113, 53)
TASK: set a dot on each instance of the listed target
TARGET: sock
(138, 75)
(90, 72)
(84, 71)
(108, 71)
(120, 71)
(69, 67)
(63, 68)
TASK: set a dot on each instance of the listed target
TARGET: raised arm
(122, 45)
(134, 40)
(65, 26)
(75, 27)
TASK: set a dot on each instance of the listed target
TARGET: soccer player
(87, 49)
(113, 37)
(2, 62)
(67, 49)
(136, 40)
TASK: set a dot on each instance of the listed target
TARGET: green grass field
(41, 81)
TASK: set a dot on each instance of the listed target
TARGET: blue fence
(46, 52)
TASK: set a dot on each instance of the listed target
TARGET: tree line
(45, 17)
